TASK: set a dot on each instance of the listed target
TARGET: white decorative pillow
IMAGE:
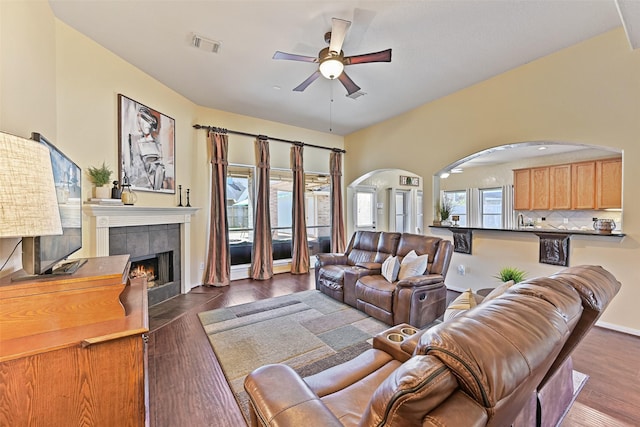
(413, 267)
(410, 256)
(390, 268)
(462, 303)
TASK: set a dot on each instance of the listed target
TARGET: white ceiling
(439, 47)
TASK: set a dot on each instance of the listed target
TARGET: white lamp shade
(28, 203)
(331, 68)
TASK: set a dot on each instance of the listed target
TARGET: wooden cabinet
(560, 187)
(595, 184)
(73, 349)
(521, 189)
(609, 184)
(540, 188)
(583, 185)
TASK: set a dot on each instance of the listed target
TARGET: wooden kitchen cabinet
(73, 348)
(560, 187)
(609, 184)
(522, 189)
(583, 185)
(540, 188)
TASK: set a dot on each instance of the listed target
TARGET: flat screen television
(41, 254)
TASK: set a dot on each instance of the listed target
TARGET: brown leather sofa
(482, 368)
(355, 277)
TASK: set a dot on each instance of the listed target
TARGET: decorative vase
(102, 192)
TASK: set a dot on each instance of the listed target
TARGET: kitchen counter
(536, 230)
(554, 242)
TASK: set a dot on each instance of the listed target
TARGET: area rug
(308, 331)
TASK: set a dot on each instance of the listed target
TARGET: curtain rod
(217, 129)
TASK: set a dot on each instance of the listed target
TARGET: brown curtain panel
(337, 219)
(262, 254)
(300, 249)
(218, 268)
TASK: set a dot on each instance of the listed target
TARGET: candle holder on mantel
(188, 204)
(180, 192)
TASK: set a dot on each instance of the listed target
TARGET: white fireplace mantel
(104, 217)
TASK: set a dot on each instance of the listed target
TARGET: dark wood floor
(187, 387)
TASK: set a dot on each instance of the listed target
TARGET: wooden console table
(73, 348)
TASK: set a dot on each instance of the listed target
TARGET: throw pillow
(390, 269)
(413, 267)
(462, 303)
(499, 290)
(410, 256)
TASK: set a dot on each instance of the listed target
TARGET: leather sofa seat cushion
(376, 291)
(347, 389)
(415, 388)
(331, 276)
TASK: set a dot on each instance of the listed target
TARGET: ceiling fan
(332, 60)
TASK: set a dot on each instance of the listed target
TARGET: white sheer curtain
(508, 215)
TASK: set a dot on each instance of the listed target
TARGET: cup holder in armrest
(395, 337)
(407, 332)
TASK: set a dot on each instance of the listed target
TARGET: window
(491, 199)
(240, 187)
(317, 195)
(419, 212)
(365, 208)
(458, 201)
(281, 204)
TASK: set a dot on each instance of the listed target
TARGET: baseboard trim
(618, 328)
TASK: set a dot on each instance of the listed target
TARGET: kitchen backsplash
(570, 220)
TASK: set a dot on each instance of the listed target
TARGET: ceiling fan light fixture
(331, 65)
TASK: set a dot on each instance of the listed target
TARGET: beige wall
(56, 81)
(588, 93)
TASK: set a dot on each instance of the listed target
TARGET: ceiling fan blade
(382, 56)
(294, 57)
(339, 29)
(302, 86)
(348, 84)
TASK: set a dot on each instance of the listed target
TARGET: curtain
(300, 249)
(262, 253)
(508, 214)
(218, 268)
(337, 220)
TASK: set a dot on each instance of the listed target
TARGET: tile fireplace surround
(105, 217)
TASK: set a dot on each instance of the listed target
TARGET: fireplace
(156, 269)
(155, 256)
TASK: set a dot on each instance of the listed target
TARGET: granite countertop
(536, 230)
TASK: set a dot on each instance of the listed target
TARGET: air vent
(356, 94)
(205, 44)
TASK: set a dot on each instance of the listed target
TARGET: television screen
(40, 254)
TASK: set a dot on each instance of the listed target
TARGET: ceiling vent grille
(205, 44)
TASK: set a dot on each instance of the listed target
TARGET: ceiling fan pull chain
(331, 107)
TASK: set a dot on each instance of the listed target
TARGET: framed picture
(147, 147)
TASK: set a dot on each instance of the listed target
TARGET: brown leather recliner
(480, 368)
(417, 300)
(355, 277)
(336, 274)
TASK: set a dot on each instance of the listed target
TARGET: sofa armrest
(331, 259)
(375, 267)
(279, 397)
(427, 280)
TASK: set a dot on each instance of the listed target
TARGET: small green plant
(100, 176)
(444, 209)
(511, 273)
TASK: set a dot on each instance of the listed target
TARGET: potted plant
(444, 211)
(101, 177)
(511, 273)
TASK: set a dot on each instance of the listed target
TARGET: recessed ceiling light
(444, 175)
(542, 148)
(276, 87)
